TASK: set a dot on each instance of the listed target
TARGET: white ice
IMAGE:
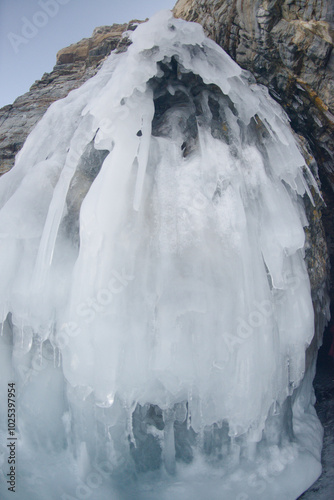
(188, 286)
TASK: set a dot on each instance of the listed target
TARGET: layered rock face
(287, 45)
(75, 64)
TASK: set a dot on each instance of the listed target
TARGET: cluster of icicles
(152, 267)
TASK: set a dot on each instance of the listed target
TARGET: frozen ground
(323, 489)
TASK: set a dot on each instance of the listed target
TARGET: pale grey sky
(32, 32)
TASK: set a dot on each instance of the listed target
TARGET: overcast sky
(32, 32)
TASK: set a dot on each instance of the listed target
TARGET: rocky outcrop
(75, 64)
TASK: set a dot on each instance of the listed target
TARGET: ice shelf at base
(286, 475)
(155, 300)
(196, 484)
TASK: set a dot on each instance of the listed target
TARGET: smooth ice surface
(153, 279)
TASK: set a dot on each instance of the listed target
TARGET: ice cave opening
(156, 306)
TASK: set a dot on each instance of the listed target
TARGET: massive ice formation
(155, 302)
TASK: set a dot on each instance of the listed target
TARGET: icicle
(143, 152)
(234, 453)
(157, 278)
(129, 409)
(81, 138)
(169, 443)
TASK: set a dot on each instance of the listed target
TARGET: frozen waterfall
(155, 301)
